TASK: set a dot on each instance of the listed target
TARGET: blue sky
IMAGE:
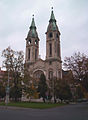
(71, 16)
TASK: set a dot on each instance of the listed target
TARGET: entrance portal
(38, 73)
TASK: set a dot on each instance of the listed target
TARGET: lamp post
(54, 89)
(7, 90)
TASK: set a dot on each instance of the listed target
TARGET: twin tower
(52, 65)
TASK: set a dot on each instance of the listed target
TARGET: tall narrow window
(50, 76)
(36, 42)
(29, 54)
(59, 74)
(58, 50)
(55, 44)
(35, 54)
(57, 35)
(50, 49)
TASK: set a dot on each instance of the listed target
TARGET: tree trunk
(44, 100)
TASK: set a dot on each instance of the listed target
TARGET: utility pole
(7, 90)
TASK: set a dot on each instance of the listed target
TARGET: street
(69, 112)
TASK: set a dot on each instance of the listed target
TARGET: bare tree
(78, 64)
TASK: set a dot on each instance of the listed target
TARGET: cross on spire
(52, 8)
(33, 15)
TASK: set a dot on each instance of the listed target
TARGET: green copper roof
(52, 16)
(33, 22)
(52, 23)
(54, 27)
(32, 32)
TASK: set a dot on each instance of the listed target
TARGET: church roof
(52, 23)
(32, 32)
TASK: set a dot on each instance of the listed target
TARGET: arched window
(50, 49)
(35, 54)
(37, 74)
(58, 50)
(59, 74)
(36, 42)
(50, 35)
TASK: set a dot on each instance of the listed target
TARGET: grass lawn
(33, 105)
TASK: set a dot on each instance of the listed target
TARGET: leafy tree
(63, 91)
(84, 82)
(16, 93)
(42, 87)
(13, 62)
(16, 88)
(60, 89)
(52, 87)
(2, 90)
(29, 85)
(79, 92)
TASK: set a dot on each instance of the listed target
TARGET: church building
(52, 65)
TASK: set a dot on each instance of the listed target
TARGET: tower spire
(32, 32)
(52, 22)
(52, 15)
(33, 22)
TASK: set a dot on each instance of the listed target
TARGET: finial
(52, 8)
(33, 15)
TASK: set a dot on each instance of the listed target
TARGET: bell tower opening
(50, 35)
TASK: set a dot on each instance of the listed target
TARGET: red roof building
(2, 73)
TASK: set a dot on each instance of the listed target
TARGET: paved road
(69, 112)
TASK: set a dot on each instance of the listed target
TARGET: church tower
(53, 53)
(32, 44)
(53, 40)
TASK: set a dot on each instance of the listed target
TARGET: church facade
(52, 65)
